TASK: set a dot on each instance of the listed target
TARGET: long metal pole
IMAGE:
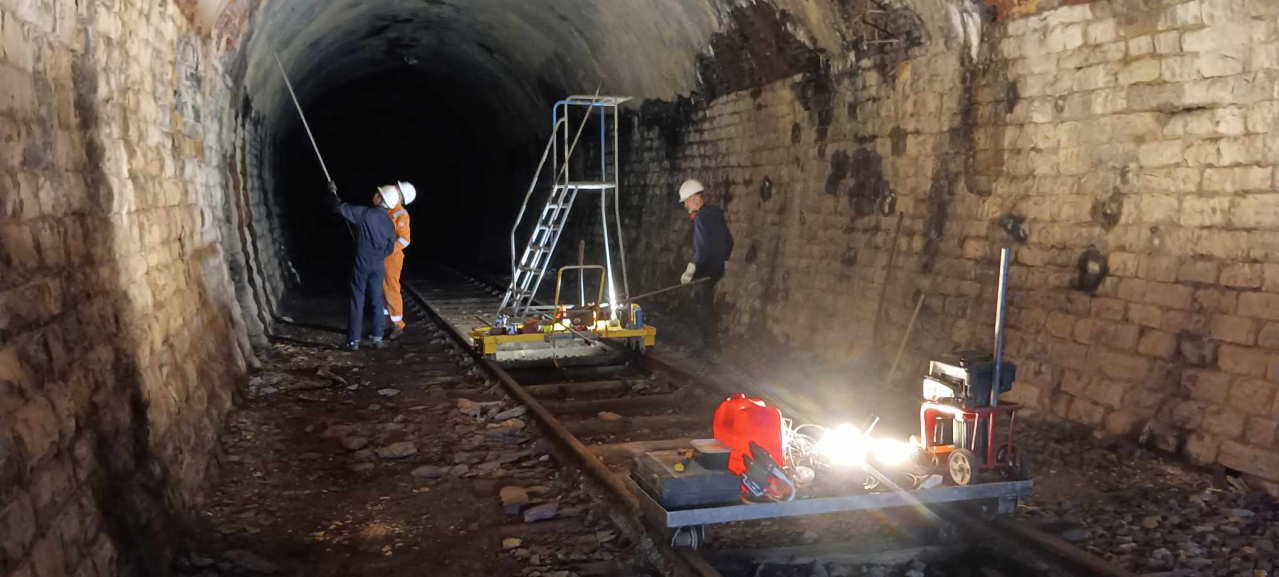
(660, 291)
(617, 203)
(314, 146)
(608, 259)
(301, 114)
(906, 337)
(888, 278)
(1000, 306)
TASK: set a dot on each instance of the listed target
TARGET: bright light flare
(890, 452)
(844, 446)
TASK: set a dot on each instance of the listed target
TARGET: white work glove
(688, 274)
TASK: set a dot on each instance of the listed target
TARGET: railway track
(605, 409)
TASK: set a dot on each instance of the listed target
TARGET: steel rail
(1009, 533)
(692, 565)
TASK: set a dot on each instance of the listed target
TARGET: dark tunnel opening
(469, 163)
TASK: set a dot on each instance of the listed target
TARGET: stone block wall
(1124, 150)
(121, 337)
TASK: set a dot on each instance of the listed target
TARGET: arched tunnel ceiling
(516, 55)
(513, 54)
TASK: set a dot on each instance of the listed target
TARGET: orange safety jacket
(401, 219)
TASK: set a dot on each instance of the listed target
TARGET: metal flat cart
(689, 524)
(521, 327)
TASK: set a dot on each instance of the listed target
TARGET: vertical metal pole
(1000, 313)
(1000, 306)
(617, 202)
(581, 277)
(608, 260)
(555, 152)
(603, 151)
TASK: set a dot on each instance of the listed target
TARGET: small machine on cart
(759, 467)
(522, 323)
(959, 424)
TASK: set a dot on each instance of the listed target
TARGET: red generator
(740, 420)
(960, 426)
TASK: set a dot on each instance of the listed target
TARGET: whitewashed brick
(1217, 37)
(1181, 16)
(1069, 14)
(1257, 211)
(1203, 153)
(1210, 91)
(1094, 77)
(1242, 150)
(1217, 11)
(1166, 153)
(1109, 101)
(1179, 69)
(1261, 117)
(1142, 45)
(1168, 42)
(1145, 70)
(1237, 179)
(1230, 121)
(1101, 31)
(1264, 57)
(1223, 63)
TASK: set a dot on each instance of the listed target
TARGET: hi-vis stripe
(397, 318)
(404, 242)
(399, 212)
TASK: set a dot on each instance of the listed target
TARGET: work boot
(396, 332)
(379, 344)
(352, 346)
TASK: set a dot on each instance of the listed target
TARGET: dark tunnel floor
(1116, 498)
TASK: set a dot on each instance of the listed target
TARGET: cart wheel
(1019, 468)
(691, 537)
(960, 468)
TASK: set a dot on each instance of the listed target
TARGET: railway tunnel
(161, 207)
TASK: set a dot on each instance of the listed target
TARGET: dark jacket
(374, 233)
(712, 242)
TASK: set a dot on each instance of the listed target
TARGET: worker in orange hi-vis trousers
(391, 196)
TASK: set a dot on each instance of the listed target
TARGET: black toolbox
(695, 486)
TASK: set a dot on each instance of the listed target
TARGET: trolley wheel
(961, 467)
(691, 537)
(1018, 463)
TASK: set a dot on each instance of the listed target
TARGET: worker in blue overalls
(712, 247)
(374, 241)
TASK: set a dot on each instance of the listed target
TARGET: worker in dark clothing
(712, 247)
(374, 241)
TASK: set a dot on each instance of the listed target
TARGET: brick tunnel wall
(1133, 140)
(129, 281)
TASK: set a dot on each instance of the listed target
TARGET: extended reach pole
(302, 115)
(659, 291)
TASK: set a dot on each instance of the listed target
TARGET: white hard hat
(689, 188)
(409, 192)
(390, 196)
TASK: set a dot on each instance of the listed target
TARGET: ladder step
(587, 185)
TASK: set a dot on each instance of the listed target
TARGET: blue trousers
(366, 283)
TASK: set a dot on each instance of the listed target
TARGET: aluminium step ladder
(529, 268)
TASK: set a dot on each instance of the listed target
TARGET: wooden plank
(622, 406)
(564, 390)
(631, 424)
